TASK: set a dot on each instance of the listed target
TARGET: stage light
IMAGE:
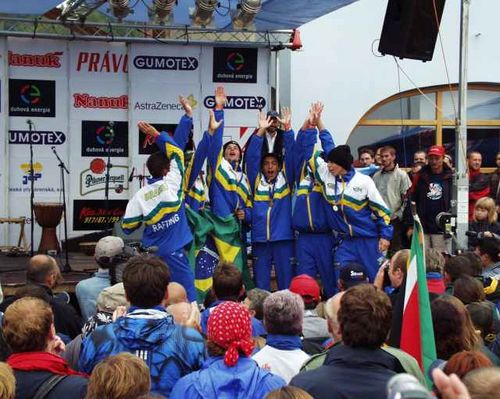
(119, 8)
(203, 13)
(162, 9)
(247, 10)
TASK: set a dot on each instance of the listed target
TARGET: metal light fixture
(203, 13)
(119, 8)
(247, 10)
(162, 10)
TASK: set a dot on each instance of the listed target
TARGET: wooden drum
(48, 215)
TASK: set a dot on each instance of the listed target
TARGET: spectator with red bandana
(229, 372)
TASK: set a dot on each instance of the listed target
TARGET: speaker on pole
(410, 28)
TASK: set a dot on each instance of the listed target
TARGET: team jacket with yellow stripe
(271, 212)
(356, 207)
(228, 186)
(160, 205)
(310, 213)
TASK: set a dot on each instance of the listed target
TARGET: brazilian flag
(214, 239)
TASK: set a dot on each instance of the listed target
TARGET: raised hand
(317, 109)
(148, 129)
(186, 105)
(264, 122)
(220, 97)
(286, 119)
(213, 125)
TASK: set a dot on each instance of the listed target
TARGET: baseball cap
(273, 114)
(353, 274)
(306, 287)
(109, 246)
(437, 150)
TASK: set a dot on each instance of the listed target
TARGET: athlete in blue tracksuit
(271, 213)
(160, 205)
(310, 215)
(357, 211)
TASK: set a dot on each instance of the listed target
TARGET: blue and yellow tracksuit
(194, 184)
(228, 186)
(160, 205)
(357, 212)
(271, 216)
(310, 216)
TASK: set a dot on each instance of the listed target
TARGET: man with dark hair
(271, 214)
(227, 286)
(43, 275)
(351, 275)
(160, 205)
(147, 330)
(455, 267)
(28, 328)
(106, 254)
(393, 184)
(357, 368)
(366, 156)
(479, 184)
(488, 250)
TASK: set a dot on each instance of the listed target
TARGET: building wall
(337, 64)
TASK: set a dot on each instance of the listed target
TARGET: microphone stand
(106, 185)
(32, 188)
(62, 167)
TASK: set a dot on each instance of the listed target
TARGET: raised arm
(216, 127)
(254, 150)
(183, 129)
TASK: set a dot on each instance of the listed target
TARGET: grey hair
(434, 261)
(257, 297)
(284, 313)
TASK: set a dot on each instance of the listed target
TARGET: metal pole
(461, 186)
(277, 81)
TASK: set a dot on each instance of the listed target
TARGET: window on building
(410, 122)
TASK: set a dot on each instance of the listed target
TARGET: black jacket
(28, 382)
(350, 373)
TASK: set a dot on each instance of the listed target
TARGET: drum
(48, 215)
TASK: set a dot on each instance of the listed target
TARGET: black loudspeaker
(410, 28)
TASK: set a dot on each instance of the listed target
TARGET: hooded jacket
(350, 373)
(246, 380)
(169, 350)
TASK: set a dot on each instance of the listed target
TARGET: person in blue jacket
(160, 205)
(271, 213)
(357, 211)
(228, 372)
(228, 186)
(310, 211)
(147, 330)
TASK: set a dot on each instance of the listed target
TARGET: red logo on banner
(48, 60)
(97, 166)
(243, 131)
(97, 62)
(85, 100)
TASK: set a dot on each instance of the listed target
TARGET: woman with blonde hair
(7, 382)
(122, 376)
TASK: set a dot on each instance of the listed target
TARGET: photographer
(107, 249)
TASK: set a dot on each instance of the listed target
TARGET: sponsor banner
(86, 100)
(45, 177)
(99, 137)
(32, 98)
(234, 65)
(238, 102)
(240, 134)
(93, 179)
(47, 60)
(147, 145)
(102, 62)
(93, 214)
(50, 137)
(89, 60)
(165, 63)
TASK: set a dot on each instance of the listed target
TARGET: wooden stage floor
(12, 271)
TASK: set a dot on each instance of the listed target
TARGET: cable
(373, 52)
(401, 114)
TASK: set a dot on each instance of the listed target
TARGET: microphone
(53, 148)
(29, 121)
(131, 177)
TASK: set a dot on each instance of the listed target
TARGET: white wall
(337, 65)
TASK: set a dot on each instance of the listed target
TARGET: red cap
(306, 287)
(437, 150)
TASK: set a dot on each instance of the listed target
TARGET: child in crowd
(484, 219)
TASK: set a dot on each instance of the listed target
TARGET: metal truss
(69, 29)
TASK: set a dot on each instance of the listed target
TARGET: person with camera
(431, 192)
(87, 291)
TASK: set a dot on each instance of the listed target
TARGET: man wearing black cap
(357, 211)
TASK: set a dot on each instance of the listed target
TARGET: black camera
(446, 222)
